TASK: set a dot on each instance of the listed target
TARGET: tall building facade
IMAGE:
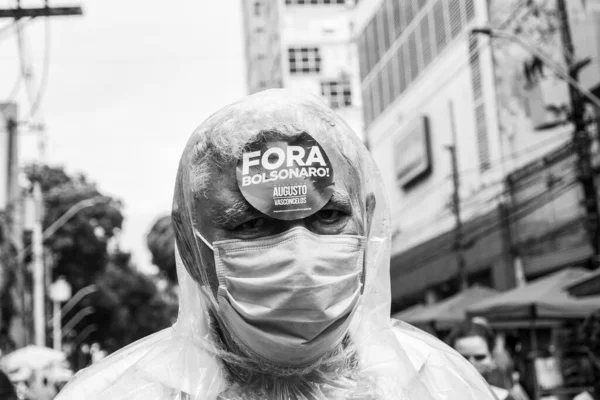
(430, 83)
(306, 45)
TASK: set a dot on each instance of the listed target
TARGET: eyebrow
(341, 198)
(241, 209)
(227, 216)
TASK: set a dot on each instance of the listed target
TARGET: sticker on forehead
(286, 178)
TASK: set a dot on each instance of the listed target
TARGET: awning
(545, 298)
(409, 312)
(586, 286)
(451, 311)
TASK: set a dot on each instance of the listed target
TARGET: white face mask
(289, 298)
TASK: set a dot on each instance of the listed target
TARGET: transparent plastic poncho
(394, 360)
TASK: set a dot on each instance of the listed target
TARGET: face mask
(289, 298)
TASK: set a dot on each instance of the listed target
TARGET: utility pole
(581, 139)
(15, 198)
(39, 321)
(37, 240)
(458, 235)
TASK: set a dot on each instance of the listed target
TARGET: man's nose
(287, 225)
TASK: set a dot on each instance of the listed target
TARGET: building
(428, 81)
(307, 45)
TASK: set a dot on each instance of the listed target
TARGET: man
(282, 248)
(474, 340)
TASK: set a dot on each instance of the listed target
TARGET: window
(413, 56)
(439, 21)
(257, 8)
(418, 31)
(366, 98)
(455, 17)
(304, 60)
(403, 69)
(398, 19)
(426, 42)
(338, 93)
(483, 149)
(407, 10)
(384, 33)
(371, 34)
(363, 56)
(470, 6)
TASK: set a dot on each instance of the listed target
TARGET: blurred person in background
(474, 340)
(282, 248)
(42, 389)
(590, 333)
(7, 389)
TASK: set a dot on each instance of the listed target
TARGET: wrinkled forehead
(220, 140)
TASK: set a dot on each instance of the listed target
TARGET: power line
(531, 205)
(7, 30)
(436, 185)
(25, 71)
(45, 71)
(15, 89)
(567, 173)
(559, 177)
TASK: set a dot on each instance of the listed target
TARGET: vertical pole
(458, 235)
(581, 139)
(56, 333)
(458, 238)
(16, 199)
(38, 269)
(533, 343)
(511, 233)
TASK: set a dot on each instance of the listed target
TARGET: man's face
(223, 213)
(476, 350)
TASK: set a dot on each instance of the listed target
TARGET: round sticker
(286, 179)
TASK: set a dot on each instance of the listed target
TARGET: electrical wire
(566, 176)
(7, 30)
(562, 175)
(31, 94)
(25, 73)
(528, 208)
(45, 72)
(13, 93)
(436, 186)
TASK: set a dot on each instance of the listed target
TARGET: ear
(370, 210)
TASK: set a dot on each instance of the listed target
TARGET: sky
(127, 84)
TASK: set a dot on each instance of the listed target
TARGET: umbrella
(451, 311)
(20, 375)
(58, 374)
(407, 313)
(33, 357)
(544, 298)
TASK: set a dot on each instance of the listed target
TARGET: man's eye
(329, 216)
(253, 224)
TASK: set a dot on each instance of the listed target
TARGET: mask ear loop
(205, 241)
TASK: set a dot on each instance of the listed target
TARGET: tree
(127, 304)
(161, 243)
(79, 247)
(8, 255)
